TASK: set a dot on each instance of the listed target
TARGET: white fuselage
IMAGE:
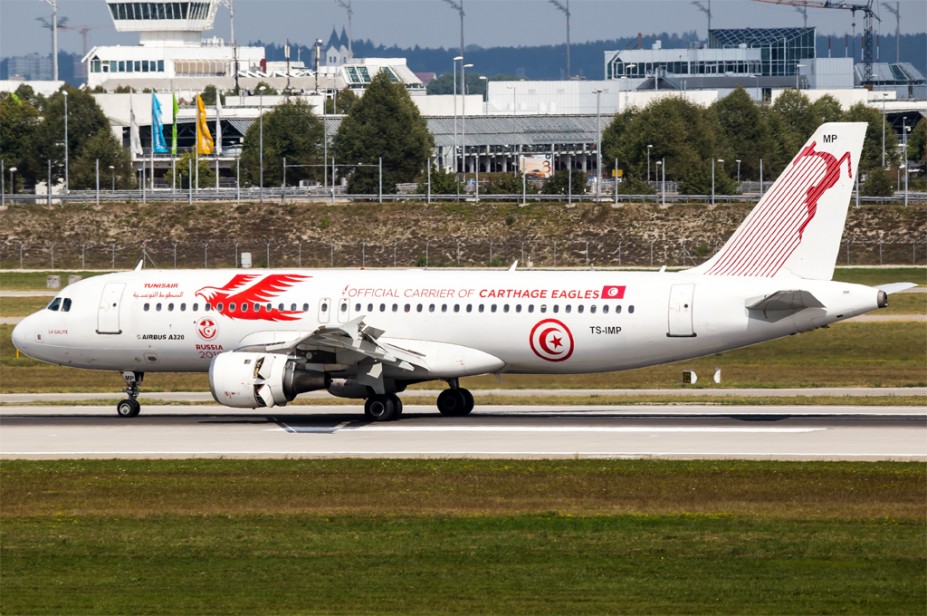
(530, 321)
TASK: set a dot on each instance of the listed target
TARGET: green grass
(462, 537)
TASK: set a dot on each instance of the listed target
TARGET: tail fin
(797, 225)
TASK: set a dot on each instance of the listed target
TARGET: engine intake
(259, 380)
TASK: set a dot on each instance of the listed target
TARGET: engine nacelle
(257, 380)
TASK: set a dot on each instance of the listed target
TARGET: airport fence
(598, 252)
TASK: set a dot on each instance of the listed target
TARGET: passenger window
(357, 307)
(568, 308)
(492, 308)
(443, 307)
(556, 308)
(183, 307)
(456, 307)
(592, 309)
(344, 306)
(66, 305)
(269, 307)
(431, 307)
(418, 308)
(293, 307)
(220, 306)
(395, 307)
(517, 307)
(279, 307)
(147, 307)
(407, 307)
(505, 308)
(207, 307)
(244, 307)
(158, 307)
(530, 307)
(55, 304)
(631, 309)
(369, 307)
(580, 309)
(382, 307)
(618, 309)
(305, 307)
(543, 307)
(481, 308)
(469, 307)
(195, 307)
(232, 307)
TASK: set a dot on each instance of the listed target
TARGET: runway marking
(582, 429)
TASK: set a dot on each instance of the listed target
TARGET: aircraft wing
(356, 343)
(354, 337)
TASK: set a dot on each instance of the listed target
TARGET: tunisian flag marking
(611, 291)
(551, 340)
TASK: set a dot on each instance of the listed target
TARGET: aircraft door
(108, 316)
(325, 305)
(680, 311)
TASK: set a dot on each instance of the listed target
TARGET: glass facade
(159, 10)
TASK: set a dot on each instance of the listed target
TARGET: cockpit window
(55, 304)
(66, 305)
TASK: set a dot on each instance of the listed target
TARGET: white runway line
(576, 429)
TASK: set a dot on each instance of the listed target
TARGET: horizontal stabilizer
(895, 287)
(784, 303)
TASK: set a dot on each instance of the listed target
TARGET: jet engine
(253, 380)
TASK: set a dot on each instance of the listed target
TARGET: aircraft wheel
(453, 402)
(128, 407)
(380, 408)
(397, 401)
(468, 398)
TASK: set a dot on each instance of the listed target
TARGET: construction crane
(346, 5)
(868, 30)
(565, 9)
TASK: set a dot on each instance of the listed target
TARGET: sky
(434, 23)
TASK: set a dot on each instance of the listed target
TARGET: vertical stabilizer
(797, 225)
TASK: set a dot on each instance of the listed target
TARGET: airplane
(265, 337)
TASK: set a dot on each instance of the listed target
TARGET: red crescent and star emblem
(551, 340)
(207, 328)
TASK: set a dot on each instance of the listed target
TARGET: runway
(658, 431)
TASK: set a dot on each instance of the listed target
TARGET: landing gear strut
(383, 407)
(130, 406)
(456, 401)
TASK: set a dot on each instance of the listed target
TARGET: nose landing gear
(130, 406)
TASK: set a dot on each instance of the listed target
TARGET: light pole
(261, 142)
(738, 172)
(512, 88)
(649, 147)
(627, 84)
(67, 185)
(720, 160)
(798, 68)
(112, 171)
(485, 79)
(456, 60)
(884, 96)
(904, 135)
(598, 145)
(12, 185)
(463, 117)
(661, 173)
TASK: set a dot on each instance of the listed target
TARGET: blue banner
(158, 144)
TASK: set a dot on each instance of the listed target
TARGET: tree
(268, 90)
(102, 147)
(745, 130)
(687, 136)
(826, 109)
(20, 120)
(386, 124)
(794, 120)
(442, 183)
(879, 183)
(187, 164)
(342, 102)
(209, 95)
(917, 143)
(871, 156)
(557, 183)
(291, 131)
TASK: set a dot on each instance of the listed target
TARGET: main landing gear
(130, 406)
(452, 402)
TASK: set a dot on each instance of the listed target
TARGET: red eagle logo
(244, 292)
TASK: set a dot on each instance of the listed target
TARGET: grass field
(462, 537)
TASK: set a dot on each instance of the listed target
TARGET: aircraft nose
(24, 334)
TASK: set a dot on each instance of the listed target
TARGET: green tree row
(688, 137)
(32, 134)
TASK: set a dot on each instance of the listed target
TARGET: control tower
(164, 24)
